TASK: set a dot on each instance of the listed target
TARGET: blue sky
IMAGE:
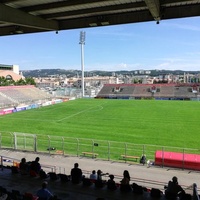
(173, 44)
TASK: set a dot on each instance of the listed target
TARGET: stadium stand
(33, 93)
(11, 185)
(14, 95)
(106, 91)
(184, 92)
(166, 91)
(4, 100)
(150, 91)
(123, 91)
(141, 91)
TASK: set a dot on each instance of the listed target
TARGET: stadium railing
(106, 150)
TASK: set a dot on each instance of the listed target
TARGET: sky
(171, 45)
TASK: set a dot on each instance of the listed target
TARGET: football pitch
(166, 123)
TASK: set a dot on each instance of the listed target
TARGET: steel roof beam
(178, 1)
(61, 4)
(115, 8)
(20, 18)
(154, 8)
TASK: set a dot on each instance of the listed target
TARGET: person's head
(175, 179)
(99, 172)
(44, 185)
(76, 165)
(37, 159)
(111, 177)
(23, 160)
(126, 174)
(93, 172)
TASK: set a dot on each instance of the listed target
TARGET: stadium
(29, 105)
(150, 130)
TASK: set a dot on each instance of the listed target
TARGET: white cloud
(188, 27)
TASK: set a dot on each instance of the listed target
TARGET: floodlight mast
(82, 43)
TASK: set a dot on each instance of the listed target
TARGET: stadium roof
(31, 16)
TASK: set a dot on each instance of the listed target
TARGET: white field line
(86, 110)
(98, 109)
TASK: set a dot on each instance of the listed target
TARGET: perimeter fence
(101, 149)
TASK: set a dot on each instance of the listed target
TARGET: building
(10, 72)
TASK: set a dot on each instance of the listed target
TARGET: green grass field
(167, 123)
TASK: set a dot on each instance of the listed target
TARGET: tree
(6, 82)
(30, 81)
(20, 82)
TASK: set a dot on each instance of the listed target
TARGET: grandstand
(142, 91)
(116, 91)
(15, 95)
(148, 178)
(150, 91)
(164, 92)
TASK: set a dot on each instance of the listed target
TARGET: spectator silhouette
(76, 174)
(44, 193)
(35, 167)
(125, 182)
(111, 183)
(143, 159)
(93, 176)
(99, 175)
(173, 189)
(99, 183)
(23, 167)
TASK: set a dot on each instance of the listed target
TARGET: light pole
(82, 43)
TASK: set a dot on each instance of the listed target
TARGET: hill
(74, 73)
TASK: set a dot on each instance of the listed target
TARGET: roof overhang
(30, 16)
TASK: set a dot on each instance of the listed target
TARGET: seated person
(99, 183)
(173, 189)
(143, 159)
(44, 193)
(43, 174)
(35, 167)
(23, 167)
(111, 183)
(125, 182)
(93, 176)
(76, 174)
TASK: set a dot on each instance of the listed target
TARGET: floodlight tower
(82, 43)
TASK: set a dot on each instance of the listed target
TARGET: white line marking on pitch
(86, 110)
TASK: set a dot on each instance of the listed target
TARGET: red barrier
(2, 112)
(179, 160)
